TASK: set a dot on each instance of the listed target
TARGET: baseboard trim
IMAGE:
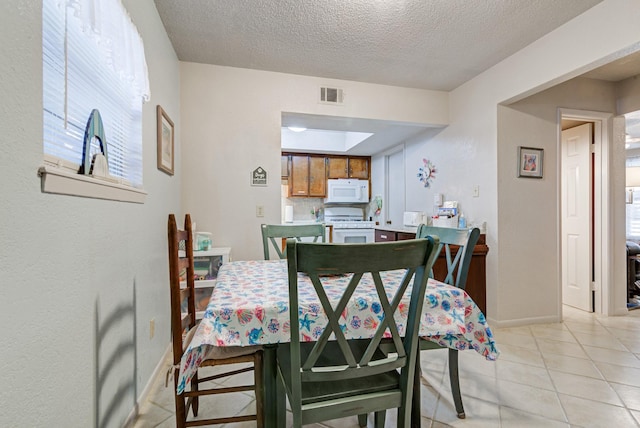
(523, 321)
(160, 370)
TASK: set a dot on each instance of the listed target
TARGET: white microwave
(346, 191)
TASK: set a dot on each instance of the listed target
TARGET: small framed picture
(530, 162)
(165, 141)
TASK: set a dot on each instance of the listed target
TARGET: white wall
(231, 124)
(530, 212)
(471, 152)
(628, 94)
(67, 262)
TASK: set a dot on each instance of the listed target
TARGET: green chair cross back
(273, 234)
(458, 245)
(334, 377)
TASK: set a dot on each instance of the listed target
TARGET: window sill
(56, 180)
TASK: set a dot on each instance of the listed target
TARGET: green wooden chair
(334, 377)
(458, 247)
(273, 235)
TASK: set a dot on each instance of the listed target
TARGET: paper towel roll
(288, 214)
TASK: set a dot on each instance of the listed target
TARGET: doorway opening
(584, 238)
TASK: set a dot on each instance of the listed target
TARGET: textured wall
(473, 141)
(70, 264)
(232, 124)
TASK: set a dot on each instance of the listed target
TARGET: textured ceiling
(427, 44)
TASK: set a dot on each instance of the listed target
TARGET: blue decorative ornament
(427, 173)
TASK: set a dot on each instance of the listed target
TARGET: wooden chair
(458, 247)
(334, 377)
(183, 326)
(273, 235)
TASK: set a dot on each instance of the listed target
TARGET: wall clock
(427, 172)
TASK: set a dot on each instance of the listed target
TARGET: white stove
(349, 224)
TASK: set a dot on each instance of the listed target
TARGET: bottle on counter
(462, 221)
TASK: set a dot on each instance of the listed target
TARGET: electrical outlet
(476, 191)
(152, 328)
(259, 210)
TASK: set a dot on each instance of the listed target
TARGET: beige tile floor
(583, 372)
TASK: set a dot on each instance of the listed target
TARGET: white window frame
(60, 176)
(632, 218)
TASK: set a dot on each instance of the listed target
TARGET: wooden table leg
(270, 386)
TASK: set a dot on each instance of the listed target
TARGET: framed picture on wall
(165, 141)
(530, 162)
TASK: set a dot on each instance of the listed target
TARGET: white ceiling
(435, 44)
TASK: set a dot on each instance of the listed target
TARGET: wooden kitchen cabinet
(476, 278)
(386, 235)
(299, 176)
(317, 176)
(359, 168)
(392, 235)
(348, 167)
(284, 166)
(307, 176)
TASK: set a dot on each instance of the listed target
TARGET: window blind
(633, 209)
(83, 70)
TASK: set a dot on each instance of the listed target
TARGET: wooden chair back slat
(181, 271)
(357, 260)
(273, 235)
(458, 247)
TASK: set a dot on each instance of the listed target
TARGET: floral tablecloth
(250, 306)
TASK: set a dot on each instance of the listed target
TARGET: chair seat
(222, 352)
(313, 392)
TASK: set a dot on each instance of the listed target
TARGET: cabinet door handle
(383, 236)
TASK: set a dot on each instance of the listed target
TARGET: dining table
(249, 306)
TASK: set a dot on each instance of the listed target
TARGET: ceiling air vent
(331, 95)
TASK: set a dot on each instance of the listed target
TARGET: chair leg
(362, 420)
(280, 402)
(379, 419)
(195, 402)
(415, 400)
(181, 415)
(455, 382)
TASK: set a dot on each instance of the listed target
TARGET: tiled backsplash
(302, 207)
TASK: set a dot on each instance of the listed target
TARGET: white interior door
(576, 217)
(395, 188)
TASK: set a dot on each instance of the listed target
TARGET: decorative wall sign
(165, 141)
(427, 172)
(259, 177)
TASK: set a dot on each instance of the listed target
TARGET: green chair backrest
(272, 235)
(458, 247)
(358, 357)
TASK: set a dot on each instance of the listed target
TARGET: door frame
(603, 237)
(387, 154)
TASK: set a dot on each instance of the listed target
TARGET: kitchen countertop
(302, 222)
(392, 228)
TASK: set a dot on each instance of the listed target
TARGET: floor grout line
(576, 325)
